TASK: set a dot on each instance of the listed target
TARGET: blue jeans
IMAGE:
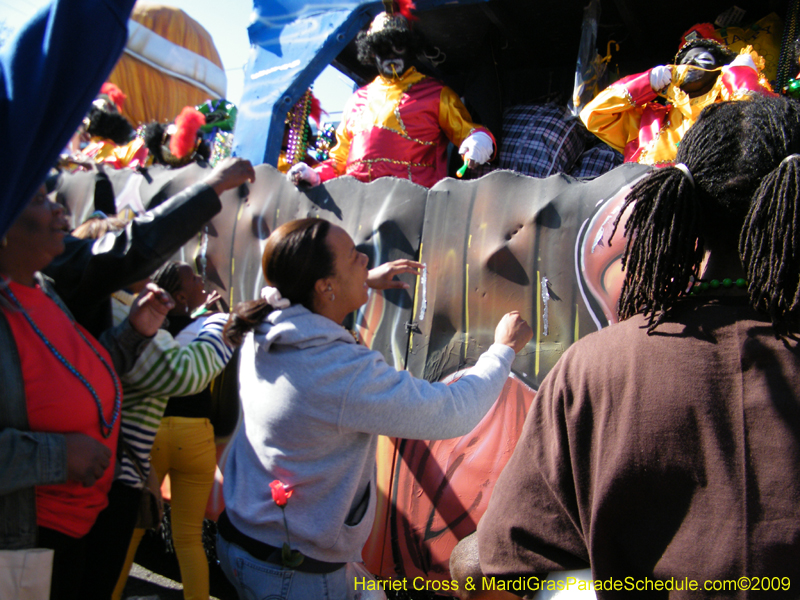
(257, 580)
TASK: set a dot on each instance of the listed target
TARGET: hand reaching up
(149, 310)
(383, 276)
(230, 173)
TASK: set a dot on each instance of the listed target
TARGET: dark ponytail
(770, 247)
(244, 317)
(295, 257)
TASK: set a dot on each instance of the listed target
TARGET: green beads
(792, 88)
(703, 285)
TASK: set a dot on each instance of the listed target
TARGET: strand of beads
(785, 63)
(706, 285)
(106, 427)
(326, 139)
(298, 129)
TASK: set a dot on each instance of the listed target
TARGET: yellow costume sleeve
(283, 164)
(615, 114)
(124, 155)
(454, 118)
(336, 165)
(339, 153)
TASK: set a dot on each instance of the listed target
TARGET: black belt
(265, 552)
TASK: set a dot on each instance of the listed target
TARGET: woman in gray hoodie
(314, 402)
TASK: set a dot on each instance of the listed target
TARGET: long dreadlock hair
(743, 195)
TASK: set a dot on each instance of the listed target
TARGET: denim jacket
(86, 273)
(27, 458)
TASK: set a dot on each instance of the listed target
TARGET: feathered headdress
(397, 15)
(184, 140)
(114, 93)
(404, 7)
(316, 110)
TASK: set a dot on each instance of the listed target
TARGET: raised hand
(149, 309)
(513, 331)
(382, 277)
(230, 173)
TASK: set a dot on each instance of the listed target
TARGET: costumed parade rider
(106, 136)
(178, 143)
(399, 124)
(628, 117)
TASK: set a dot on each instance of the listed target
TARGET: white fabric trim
(174, 60)
(686, 172)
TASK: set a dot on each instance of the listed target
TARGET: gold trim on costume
(651, 146)
(624, 92)
(369, 161)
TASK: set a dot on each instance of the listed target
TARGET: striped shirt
(164, 369)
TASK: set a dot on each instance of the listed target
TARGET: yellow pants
(184, 448)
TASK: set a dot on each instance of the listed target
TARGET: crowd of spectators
(662, 447)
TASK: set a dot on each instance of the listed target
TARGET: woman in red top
(70, 388)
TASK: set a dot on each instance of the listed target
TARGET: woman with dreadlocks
(664, 448)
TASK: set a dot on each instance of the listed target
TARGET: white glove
(660, 77)
(302, 172)
(478, 147)
(743, 60)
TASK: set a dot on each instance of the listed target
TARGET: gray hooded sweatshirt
(314, 404)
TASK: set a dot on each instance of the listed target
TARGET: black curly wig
(109, 125)
(154, 133)
(395, 32)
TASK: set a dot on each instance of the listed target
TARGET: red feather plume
(184, 140)
(316, 110)
(406, 6)
(113, 92)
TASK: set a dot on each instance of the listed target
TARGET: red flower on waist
(290, 558)
(279, 493)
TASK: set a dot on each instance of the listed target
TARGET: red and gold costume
(625, 116)
(132, 154)
(399, 128)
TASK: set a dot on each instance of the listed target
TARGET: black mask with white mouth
(391, 67)
(391, 61)
(698, 72)
(702, 59)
